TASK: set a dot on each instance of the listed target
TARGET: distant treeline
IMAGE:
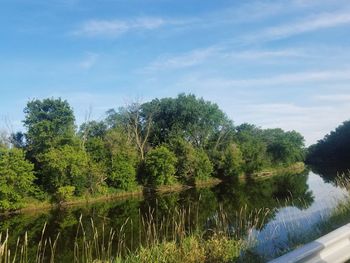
(161, 142)
(334, 148)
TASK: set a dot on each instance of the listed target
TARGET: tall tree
(49, 123)
(194, 119)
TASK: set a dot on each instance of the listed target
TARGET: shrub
(160, 166)
(63, 166)
(64, 193)
(16, 178)
(203, 168)
(123, 160)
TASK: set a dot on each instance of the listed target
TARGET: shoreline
(140, 192)
(87, 200)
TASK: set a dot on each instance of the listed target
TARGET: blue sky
(272, 63)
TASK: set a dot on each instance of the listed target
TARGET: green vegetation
(334, 148)
(183, 140)
(170, 239)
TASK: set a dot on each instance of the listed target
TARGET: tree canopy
(183, 139)
(333, 148)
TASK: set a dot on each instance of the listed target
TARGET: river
(296, 204)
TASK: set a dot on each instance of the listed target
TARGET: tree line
(162, 142)
(333, 149)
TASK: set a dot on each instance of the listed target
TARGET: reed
(175, 237)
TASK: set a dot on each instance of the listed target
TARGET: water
(297, 202)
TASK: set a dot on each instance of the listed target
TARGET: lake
(295, 204)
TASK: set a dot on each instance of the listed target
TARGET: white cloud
(184, 60)
(313, 23)
(334, 97)
(268, 81)
(114, 28)
(89, 61)
(219, 53)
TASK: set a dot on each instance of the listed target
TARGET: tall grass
(176, 237)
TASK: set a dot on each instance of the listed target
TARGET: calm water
(297, 203)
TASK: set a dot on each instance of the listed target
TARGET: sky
(271, 63)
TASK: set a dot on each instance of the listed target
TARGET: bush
(232, 161)
(64, 193)
(64, 166)
(203, 168)
(16, 178)
(123, 160)
(192, 163)
(160, 166)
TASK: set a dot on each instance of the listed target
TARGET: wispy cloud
(89, 61)
(184, 60)
(215, 53)
(334, 97)
(288, 79)
(312, 23)
(115, 27)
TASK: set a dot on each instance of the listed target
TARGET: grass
(176, 237)
(294, 168)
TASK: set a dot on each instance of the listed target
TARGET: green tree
(284, 147)
(49, 123)
(160, 166)
(333, 149)
(252, 146)
(65, 166)
(16, 178)
(123, 160)
(196, 120)
(191, 163)
(232, 161)
(203, 168)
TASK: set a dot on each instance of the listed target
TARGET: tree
(49, 123)
(160, 166)
(123, 160)
(334, 148)
(284, 147)
(252, 146)
(193, 119)
(191, 163)
(203, 168)
(65, 166)
(231, 162)
(16, 178)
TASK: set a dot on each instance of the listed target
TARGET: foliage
(16, 178)
(284, 147)
(49, 123)
(157, 142)
(334, 148)
(231, 161)
(160, 166)
(64, 193)
(252, 147)
(203, 168)
(191, 163)
(194, 119)
(65, 166)
(123, 160)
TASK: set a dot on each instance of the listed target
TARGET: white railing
(331, 248)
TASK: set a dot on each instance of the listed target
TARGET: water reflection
(294, 201)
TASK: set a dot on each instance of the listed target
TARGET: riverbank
(32, 205)
(294, 168)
